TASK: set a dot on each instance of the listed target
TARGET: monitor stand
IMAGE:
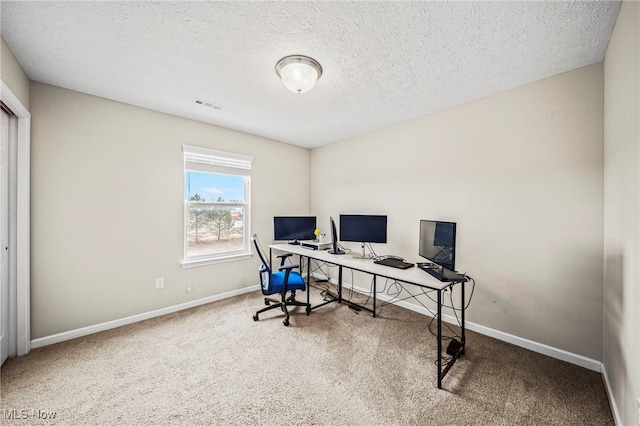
(361, 255)
(294, 243)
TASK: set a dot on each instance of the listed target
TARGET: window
(217, 206)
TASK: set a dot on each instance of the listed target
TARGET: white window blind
(212, 161)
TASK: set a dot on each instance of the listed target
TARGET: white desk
(414, 276)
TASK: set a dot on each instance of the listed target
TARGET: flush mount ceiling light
(298, 73)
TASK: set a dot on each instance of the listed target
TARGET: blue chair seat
(274, 283)
(296, 282)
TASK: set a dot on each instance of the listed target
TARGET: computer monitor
(335, 248)
(294, 228)
(437, 243)
(363, 229)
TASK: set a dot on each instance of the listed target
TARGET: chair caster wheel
(286, 322)
(255, 317)
(308, 310)
(266, 302)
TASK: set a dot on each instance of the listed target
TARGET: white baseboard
(560, 354)
(612, 400)
(541, 348)
(72, 334)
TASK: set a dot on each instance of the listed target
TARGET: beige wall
(622, 212)
(521, 173)
(107, 208)
(13, 75)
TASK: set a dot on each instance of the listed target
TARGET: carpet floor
(213, 365)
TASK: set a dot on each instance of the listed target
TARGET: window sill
(193, 263)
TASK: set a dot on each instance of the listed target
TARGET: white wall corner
(611, 396)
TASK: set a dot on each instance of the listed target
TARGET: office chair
(282, 282)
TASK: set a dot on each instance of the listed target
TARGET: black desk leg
(464, 340)
(340, 284)
(439, 339)
(374, 296)
(308, 281)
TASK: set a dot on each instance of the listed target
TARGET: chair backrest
(264, 267)
(263, 259)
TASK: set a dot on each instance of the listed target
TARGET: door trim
(23, 220)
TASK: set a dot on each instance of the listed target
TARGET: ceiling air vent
(208, 104)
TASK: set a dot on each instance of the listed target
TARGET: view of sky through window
(212, 187)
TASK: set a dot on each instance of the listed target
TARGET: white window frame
(207, 160)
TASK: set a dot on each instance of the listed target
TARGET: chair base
(282, 304)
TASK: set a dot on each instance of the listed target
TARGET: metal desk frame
(413, 276)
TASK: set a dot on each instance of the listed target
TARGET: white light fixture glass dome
(299, 73)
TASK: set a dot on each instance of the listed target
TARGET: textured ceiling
(383, 62)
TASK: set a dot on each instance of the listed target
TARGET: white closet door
(5, 335)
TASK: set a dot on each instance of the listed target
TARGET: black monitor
(294, 228)
(335, 248)
(437, 243)
(363, 229)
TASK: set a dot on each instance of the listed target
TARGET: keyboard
(394, 263)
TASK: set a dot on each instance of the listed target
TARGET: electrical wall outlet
(159, 283)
